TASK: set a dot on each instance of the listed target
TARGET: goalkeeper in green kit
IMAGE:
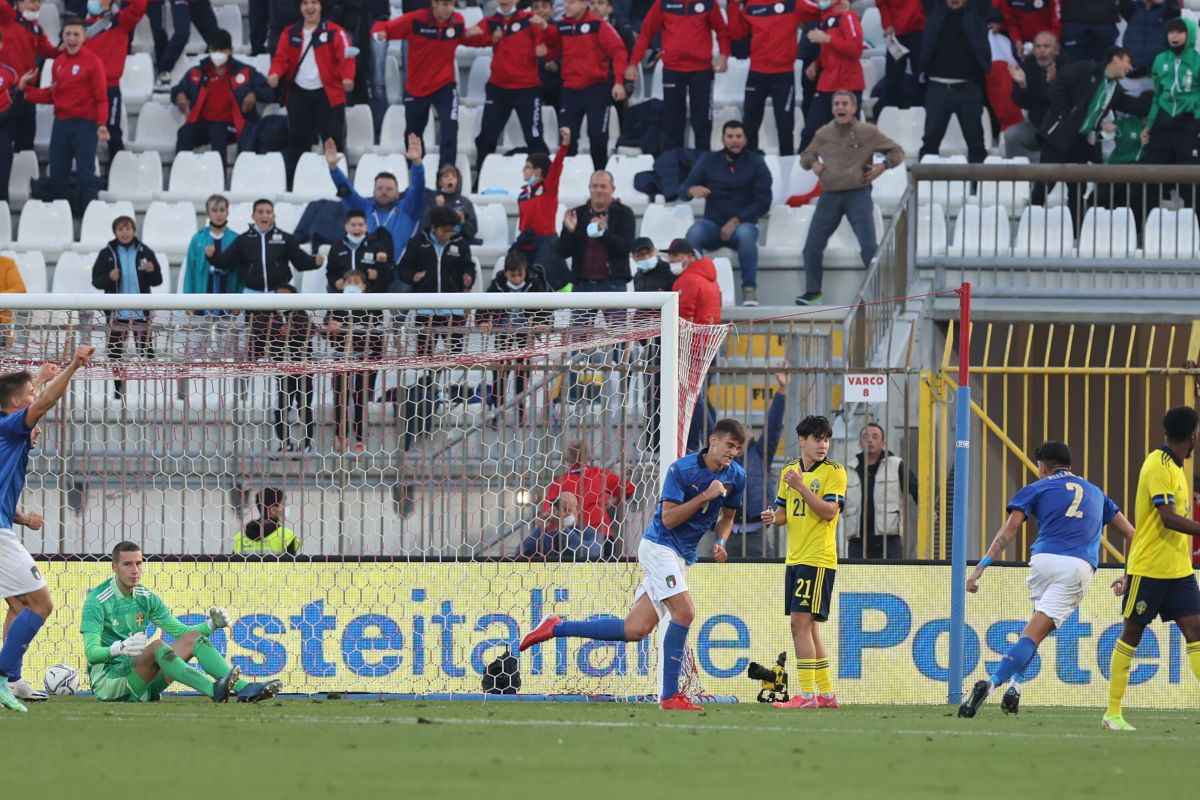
(122, 666)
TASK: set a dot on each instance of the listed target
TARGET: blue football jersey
(14, 461)
(687, 478)
(1070, 514)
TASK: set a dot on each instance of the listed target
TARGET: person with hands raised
(387, 214)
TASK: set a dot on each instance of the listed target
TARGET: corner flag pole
(962, 485)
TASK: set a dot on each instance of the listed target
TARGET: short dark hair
(731, 125)
(354, 273)
(357, 213)
(731, 428)
(1177, 25)
(122, 220)
(1180, 423)
(1053, 454)
(385, 174)
(262, 201)
(539, 161)
(12, 383)
(220, 40)
(322, 2)
(873, 424)
(814, 425)
(71, 22)
(1116, 51)
(515, 260)
(286, 288)
(125, 547)
(269, 496)
(442, 217)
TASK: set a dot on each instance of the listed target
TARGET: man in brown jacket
(842, 154)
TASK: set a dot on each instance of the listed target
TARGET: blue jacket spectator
(736, 185)
(1146, 30)
(199, 276)
(385, 209)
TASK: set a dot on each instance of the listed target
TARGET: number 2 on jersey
(1074, 511)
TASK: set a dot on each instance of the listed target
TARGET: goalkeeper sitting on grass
(123, 667)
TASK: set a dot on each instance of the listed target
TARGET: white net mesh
(424, 463)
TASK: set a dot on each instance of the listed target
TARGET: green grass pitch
(184, 747)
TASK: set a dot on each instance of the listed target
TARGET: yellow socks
(1122, 658)
(824, 679)
(808, 674)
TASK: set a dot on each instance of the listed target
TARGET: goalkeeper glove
(132, 647)
(218, 618)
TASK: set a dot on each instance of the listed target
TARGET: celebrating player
(812, 491)
(1159, 580)
(700, 489)
(123, 667)
(24, 400)
(1070, 514)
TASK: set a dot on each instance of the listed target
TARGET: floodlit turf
(299, 749)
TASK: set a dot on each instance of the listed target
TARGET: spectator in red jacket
(599, 491)
(79, 94)
(312, 59)
(593, 73)
(687, 31)
(839, 68)
(219, 98)
(10, 90)
(108, 37)
(772, 27)
(537, 208)
(699, 294)
(903, 20)
(1025, 19)
(517, 38)
(24, 43)
(433, 34)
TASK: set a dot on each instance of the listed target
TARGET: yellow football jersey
(1156, 551)
(812, 540)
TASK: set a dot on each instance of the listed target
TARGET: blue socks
(608, 629)
(672, 654)
(1015, 660)
(20, 634)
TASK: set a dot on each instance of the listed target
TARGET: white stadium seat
(481, 71)
(493, 225)
(73, 274)
(905, 127)
(169, 227)
(230, 19)
(1172, 234)
(502, 175)
(729, 87)
(1045, 233)
(5, 224)
(157, 126)
(194, 177)
(45, 226)
(136, 177)
(256, 176)
(360, 131)
(137, 81)
(31, 264)
(931, 230)
(664, 223)
(372, 164)
(24, 169)
(96, 230)
(312, 181)
(787, 229)
(954, 143)
(889, 188)
(725, 281)
(980, 231)
(1108, 233)
(391, 133)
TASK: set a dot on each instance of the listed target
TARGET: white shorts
(18, 572)
(1057, 584)
(665, 574)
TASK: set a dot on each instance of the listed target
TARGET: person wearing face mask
(696, 284)
(109, 27)
(387, 214)
(517, 37)
(839, 67)
(596, 236)
(24, 43)
(955, 59)
(537, 206)
(355, 336)
(219, 97)
(449, 194)
(1172, 127)
(267, 535)
(368, 253)
(651, 273)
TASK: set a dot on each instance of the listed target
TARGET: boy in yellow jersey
(1159, 579)
(812, 491)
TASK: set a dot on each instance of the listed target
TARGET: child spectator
(537, 208)
(449, 194)
(126, 266)
(438, 261)
(369, 253)
(262, 257)
(201, 277)
(286, 337)
(356, 336)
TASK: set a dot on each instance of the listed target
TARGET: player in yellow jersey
(1159, 579)
(812, 491)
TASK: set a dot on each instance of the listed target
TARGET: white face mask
(30, 16)
(593, 230)
(677, 267)
(355, 240)
(647, 264)
(567, 522)
(352, 288)
(219, 59)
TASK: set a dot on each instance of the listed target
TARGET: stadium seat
(50, 18)
(313, 282)
(24, 169)
(469, 120)
(391, 133)
(1172, 234)
(954, 143)
(576, 175)
(477, 78)
(5, 223)
(493, 226)
(256, 176)
(143, 37)
(46, 226)
(888, 189)
(664, 223)
(1108, 233)
(1014, 195)
(721, 115)
(624, 169)
(168, 227)
(230, 18)
(501, 175)
(656, 83)
(951, 195)
(287, 216)
(725, 281)
(157, 125)
(360, 131)
(96, 230)
(136, 177)
(194, 177)
(931, 230)
(137, 81)
(872, 28)
(905, 126)
(372, 164)
(787, 230)
(164, 263)
(73, 274)
(241, 216)
(31, 264)
(1045, 233)
(768, 134)
(312, 181)
(395, 86)
(729, 87)
(45, 123)
(980, 231)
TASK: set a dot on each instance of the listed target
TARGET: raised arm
(54, 389)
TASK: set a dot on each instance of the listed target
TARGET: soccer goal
(447, 471)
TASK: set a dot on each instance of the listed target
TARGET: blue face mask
(646, 264)
(354, 240)
(532, 181)
(515, 287)
(94, 8)
(593, 230)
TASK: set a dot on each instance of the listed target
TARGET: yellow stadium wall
(430, 627)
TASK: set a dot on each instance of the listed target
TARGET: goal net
(446, 472)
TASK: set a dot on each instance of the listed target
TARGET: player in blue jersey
(24, 400)
(1070, 514)
(701, 490)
